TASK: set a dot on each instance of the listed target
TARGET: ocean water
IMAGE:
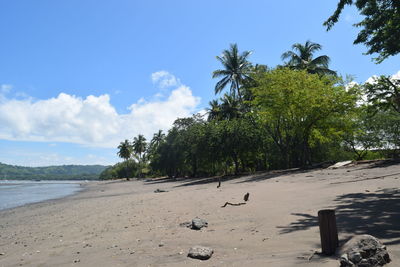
(18, 193)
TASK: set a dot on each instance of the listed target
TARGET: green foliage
(380, 27)
(127, 169)
(298, 110)
(65, 172)
(383, 93)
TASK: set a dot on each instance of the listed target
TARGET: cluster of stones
(198, 252)
(363, 251)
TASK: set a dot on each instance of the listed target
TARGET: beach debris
(233, 204)
(198, 223)
(161, 245)
(363, 251)
(340, 164)
(2, 254)
(77, 260)
(246, 196)
(200, 252)
(160, 191)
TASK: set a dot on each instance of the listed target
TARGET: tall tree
(125, 152)
(236, 69)
(380, 27)
(139, 146)
(301, 58)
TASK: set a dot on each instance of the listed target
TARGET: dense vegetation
(294, 115)
(65, 172)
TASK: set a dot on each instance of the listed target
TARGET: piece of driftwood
(233, 204)
(246, 197)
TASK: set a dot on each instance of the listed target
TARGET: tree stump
(328, 231)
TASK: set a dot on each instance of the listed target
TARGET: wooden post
(328, 231)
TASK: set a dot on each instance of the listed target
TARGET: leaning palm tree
(236, 70)
(139, 146)
(125, 152)
(301, 58)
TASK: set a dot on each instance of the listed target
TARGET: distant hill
(64, 172)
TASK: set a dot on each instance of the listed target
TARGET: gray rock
(200, 252)
(198, 223)
(363, 251)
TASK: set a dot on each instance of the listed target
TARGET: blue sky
(78, 76)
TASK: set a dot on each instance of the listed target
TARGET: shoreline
(82, 188)
(125, 223)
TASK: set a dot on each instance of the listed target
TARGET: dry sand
(123, 223)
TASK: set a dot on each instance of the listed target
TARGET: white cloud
(91, 121)
(5, 88)
(351, 85)
(373, 78)
(396, 76)
(164, 79)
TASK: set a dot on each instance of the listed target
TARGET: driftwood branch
(233, 204)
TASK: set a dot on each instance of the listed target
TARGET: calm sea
(18, 193)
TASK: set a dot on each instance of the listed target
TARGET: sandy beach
(124, 223)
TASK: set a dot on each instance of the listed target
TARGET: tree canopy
(380, 28)
(289, 116)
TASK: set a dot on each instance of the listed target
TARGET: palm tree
(157, 139)
(230, 107)
(125, 152)
(214, 111)
(139, 146)
(301, 58)
(236, 70)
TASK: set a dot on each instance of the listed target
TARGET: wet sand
(124, 223)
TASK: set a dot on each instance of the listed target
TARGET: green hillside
(64, 172)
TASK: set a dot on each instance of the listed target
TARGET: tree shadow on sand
(241, 178)
(377, 214)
